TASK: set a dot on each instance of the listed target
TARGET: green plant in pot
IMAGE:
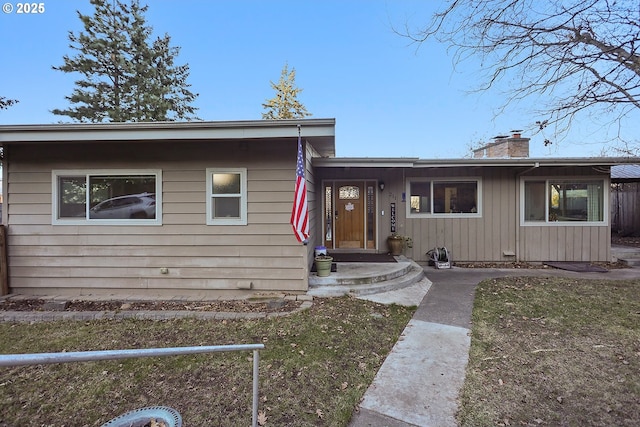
(323, 265)
(396, 244)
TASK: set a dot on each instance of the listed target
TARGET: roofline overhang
(364, 162)
(319, 132)
(407, 162)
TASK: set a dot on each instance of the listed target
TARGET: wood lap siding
(127, 259)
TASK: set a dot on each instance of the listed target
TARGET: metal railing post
(256, 359)
(89, 356)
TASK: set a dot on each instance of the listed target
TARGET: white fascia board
(525, 162)
(364, 162)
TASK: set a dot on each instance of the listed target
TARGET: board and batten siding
(568, 243)
(497, 235)
(486, 238)
(202, 261)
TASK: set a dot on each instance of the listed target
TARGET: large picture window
(444, 198)
(556, 201)
(107, 197)
(226, 196)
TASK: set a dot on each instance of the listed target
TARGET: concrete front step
(366, 279)
(360, 273)
(631, 262)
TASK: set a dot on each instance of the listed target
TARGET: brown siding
(203, 261)
(469, 239)
(497, 232)
(567, 243)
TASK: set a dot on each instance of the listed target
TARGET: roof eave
(411, 162)
(319, 132)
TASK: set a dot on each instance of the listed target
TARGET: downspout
(518, 176)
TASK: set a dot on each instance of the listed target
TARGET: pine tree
(124, 76)
(285, 104)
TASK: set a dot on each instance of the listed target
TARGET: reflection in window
(534, 200)
(576, 201)
(564, 201)
(443, 197)
(420, 197)
(85, 197)
(72, 197)
(122, 197)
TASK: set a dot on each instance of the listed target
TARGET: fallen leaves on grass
(308, 357)
(540, 354)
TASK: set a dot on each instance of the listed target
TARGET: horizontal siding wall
(202, 261)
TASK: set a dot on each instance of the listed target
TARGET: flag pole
(300, 210)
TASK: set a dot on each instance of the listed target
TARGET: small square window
(226, 196)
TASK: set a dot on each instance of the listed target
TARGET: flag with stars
(300, 211)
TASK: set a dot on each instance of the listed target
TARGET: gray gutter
(364, 162)
(409, 162)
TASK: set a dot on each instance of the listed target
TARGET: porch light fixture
(381, 185)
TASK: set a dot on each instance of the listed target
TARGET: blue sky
(389, 99)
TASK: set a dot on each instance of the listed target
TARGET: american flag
(300, 211)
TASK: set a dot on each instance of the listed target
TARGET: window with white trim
(226, 196)
(115, 197)
(450, 198)
(563, 202)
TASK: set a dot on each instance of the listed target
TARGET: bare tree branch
(576, 55)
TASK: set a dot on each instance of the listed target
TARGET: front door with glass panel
(350, 215)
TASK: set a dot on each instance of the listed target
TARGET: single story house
(202, 209)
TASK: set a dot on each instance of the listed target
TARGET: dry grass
(554, 352)
(316, 367)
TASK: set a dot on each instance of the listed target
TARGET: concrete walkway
(419, 381)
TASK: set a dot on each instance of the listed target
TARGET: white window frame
(477, 180)
(242, 220)
(87, 173)
(566, 179)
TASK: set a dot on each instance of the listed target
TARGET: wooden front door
(349, 215)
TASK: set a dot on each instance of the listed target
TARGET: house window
(107, 197)
(455, 198)
(565, 202)
(226, 196)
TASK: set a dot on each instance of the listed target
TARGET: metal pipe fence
(88, 356)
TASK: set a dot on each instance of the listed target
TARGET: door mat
(582, 267)
(333, 268)
(361, 257)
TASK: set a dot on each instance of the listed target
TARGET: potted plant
(396, 244)
(323, 265)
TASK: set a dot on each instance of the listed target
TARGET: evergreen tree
(124, 76)
(285, 104)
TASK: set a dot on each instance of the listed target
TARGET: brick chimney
(513, 146)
